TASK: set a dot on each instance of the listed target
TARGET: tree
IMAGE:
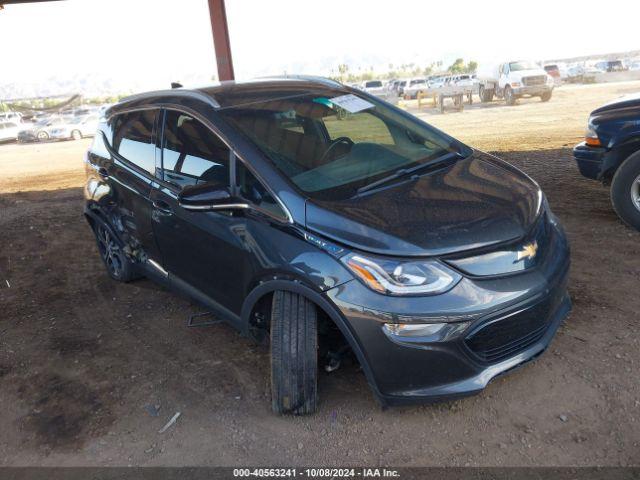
(472, 66)
(457, 66)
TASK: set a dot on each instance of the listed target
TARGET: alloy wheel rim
(635, 193)
(110, 251)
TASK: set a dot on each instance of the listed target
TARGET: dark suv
(325, 220)
(611, 153)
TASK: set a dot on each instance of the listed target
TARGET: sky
(152, 42)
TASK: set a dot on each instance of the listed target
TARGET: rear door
(130, 173)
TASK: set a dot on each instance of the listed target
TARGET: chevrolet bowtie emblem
(528, 251)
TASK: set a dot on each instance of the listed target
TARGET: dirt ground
(90, 370)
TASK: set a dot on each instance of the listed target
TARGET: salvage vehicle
(374, 87)
(366, 233)
(610, 153)
(40, 131)
(514, 80)
(8, 131)
(75, 129)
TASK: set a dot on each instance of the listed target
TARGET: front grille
(505, 337)
(534, 80)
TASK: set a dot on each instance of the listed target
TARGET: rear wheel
(625, 191)
(485, 94)
(118, 266)
(294, 354)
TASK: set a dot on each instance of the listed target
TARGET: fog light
(413, 329)
(419, 334)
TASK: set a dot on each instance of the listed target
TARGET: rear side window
(192, 153)
(133, 139)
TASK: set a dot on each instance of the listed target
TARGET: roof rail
(310, 78)
(173, 92)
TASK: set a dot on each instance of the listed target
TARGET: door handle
(163, 207)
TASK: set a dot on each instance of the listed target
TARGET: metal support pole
(220, 30)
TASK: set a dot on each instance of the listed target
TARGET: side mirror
(209, 196)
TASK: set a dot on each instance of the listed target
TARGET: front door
(201, 248)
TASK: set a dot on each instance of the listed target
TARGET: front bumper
(533, 90)
(462, 363)
(590, 160)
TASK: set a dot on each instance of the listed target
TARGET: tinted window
(192, 153)
(254, 191)
(134, 139)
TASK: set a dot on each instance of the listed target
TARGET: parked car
(414, 86)
(40, 131)
(75, 129)
(13, 117)
(611, 66)
(438, 266)
(374, 87)
(611, 153)
(554, 72)
(8, 131)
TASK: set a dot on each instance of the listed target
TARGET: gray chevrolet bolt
(329, 224)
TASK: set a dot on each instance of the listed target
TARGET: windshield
(331, 147)
(522, 65)
(373, 84)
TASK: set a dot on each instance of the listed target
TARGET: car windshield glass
(522, 65)
(331, 147)
(374, 84)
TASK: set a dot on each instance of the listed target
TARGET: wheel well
(330, 337)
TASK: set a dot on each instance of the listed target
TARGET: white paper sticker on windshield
(351, 103)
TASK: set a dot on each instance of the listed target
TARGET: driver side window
(192, 153)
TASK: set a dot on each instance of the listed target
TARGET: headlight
(393, 277)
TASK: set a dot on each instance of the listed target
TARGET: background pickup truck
(512, 80)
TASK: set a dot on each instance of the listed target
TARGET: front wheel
(294, 354)
(625, 191)
(76, 135)
(509, 97)
(546, 96)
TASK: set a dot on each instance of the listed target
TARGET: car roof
(233, 94)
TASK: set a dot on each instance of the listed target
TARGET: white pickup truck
(512, 80)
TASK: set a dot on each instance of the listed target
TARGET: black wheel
(486, 95)
(76, 135)
(509, 97)
(119, 267)
(294, 354)
(625, 191)
(546, 96)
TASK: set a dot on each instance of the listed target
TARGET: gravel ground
(90, 370)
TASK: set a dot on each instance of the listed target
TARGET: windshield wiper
(402, 172)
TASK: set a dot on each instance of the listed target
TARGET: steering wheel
(334, 143)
